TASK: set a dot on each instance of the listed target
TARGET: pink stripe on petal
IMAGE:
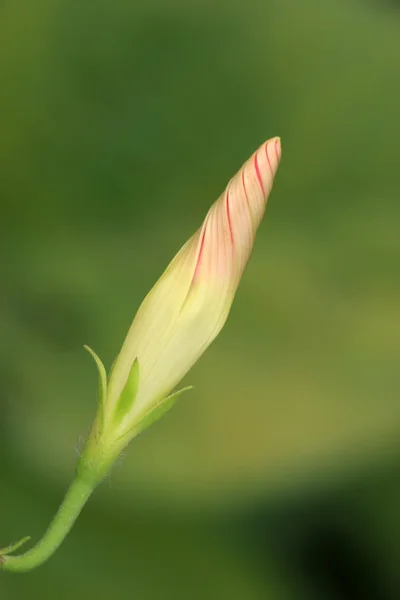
(258, 173)
(244, 188)
(268, 159)
(228, 214)
(277, 151)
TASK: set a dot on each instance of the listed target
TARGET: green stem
(75, 499)
(97, 458)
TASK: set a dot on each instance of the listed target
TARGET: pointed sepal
(128, 395)
(102, 380)
(159, 410)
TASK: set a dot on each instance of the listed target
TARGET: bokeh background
(120, 122)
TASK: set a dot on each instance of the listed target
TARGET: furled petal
(189, 304)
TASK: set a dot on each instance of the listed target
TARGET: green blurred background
(121, 122)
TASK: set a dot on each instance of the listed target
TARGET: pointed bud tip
(275, 147)
(278, 146)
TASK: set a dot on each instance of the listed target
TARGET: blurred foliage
(120, 124)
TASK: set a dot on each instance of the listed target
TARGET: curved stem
(75, 499)
(96, 461)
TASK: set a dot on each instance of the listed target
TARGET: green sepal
(128, 395)
(13, 547)
(102, 381)
(159, 410)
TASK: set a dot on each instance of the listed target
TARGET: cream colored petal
(154, 321)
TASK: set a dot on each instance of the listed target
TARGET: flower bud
(189, 304)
